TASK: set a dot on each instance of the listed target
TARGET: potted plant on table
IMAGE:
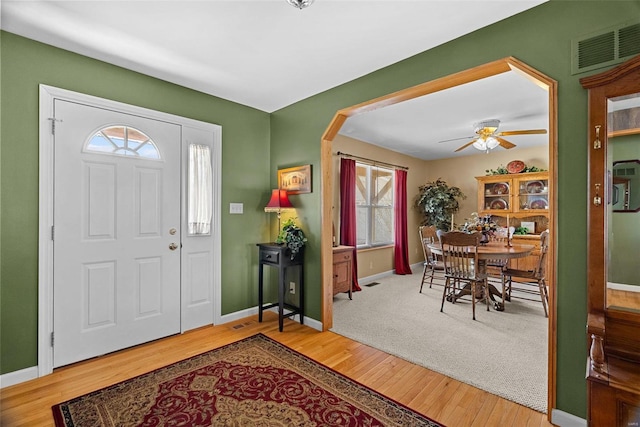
(292, 236)
(437, 202)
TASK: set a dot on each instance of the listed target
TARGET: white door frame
(46, 203)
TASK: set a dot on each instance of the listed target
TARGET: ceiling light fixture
(300, 4)
(485, 129)
(486, 144)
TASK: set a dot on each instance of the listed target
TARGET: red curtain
(400, 218)
(348, 220)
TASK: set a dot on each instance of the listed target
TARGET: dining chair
(432, 262)
(529, 281)
(460, 256)
(495, 266)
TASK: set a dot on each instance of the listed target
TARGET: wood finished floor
(443, 399)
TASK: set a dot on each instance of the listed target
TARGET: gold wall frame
(295, 180)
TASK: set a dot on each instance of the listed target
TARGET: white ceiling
(418, 126)
(267, 54)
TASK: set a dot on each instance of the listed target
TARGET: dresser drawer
(342, 256)
(271, 257)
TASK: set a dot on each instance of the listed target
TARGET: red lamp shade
(279, 201)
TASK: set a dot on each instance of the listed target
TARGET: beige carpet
(504, 353)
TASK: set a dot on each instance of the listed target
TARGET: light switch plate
(236, 208)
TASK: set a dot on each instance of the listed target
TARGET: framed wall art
(296, 180)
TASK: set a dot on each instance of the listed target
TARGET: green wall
(256, 144)
(540, 37)
(245, 176)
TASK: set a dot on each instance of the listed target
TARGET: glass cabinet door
(533, 194)
(496, 196)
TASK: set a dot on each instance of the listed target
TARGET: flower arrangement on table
(484, 225)
(292, 236)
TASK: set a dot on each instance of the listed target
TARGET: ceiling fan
(487, 137)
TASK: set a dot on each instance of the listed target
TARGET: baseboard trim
(17, 377)
(565, 419)
(415, 268)
(237, 315)
(623, 287)
(231, 317)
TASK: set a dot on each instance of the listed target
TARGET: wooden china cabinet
(613, 328)
(522, 197)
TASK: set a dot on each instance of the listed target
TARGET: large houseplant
(292, 236)
(437, 201)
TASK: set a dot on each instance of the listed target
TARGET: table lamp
(279, 202)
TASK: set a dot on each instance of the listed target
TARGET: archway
(447, 82)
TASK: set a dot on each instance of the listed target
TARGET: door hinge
(52, 232)
(53, 121)
(51, 339)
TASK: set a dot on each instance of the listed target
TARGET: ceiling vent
(605, 47)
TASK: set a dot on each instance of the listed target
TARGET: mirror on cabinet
(623, 222)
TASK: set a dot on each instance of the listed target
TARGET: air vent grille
(606, 47)
(596, 50)
(629, 43)
(624, 172)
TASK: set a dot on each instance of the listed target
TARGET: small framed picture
(296, 180)
(530, 226)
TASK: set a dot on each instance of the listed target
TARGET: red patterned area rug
(255, 381)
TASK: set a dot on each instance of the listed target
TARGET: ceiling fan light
(492, 143)
(480, 144)
(300, 4)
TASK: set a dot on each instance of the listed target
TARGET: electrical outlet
(292, 287)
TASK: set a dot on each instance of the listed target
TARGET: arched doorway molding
(473, 74)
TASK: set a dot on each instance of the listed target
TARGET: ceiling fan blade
(522, 132)
(457, 139)
(504, 143)
(466, 145)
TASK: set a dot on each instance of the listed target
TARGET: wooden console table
(278, 256)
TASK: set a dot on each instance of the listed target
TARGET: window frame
(124, 150)
(370, 207)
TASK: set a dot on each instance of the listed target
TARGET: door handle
(173, 246)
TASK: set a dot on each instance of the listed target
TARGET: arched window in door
(123, 141)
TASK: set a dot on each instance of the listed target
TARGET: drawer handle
(346, 257)
(335, 275)
(267, 256)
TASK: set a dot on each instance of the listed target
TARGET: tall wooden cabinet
(613, 330)
(522, 197)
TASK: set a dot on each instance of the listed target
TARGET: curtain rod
(374, 162)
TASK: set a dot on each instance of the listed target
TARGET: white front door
(117, 231)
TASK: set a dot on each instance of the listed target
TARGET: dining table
(493, 250)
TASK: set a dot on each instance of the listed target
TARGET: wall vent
(605, 47)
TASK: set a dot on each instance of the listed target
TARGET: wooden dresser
(343, 269)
